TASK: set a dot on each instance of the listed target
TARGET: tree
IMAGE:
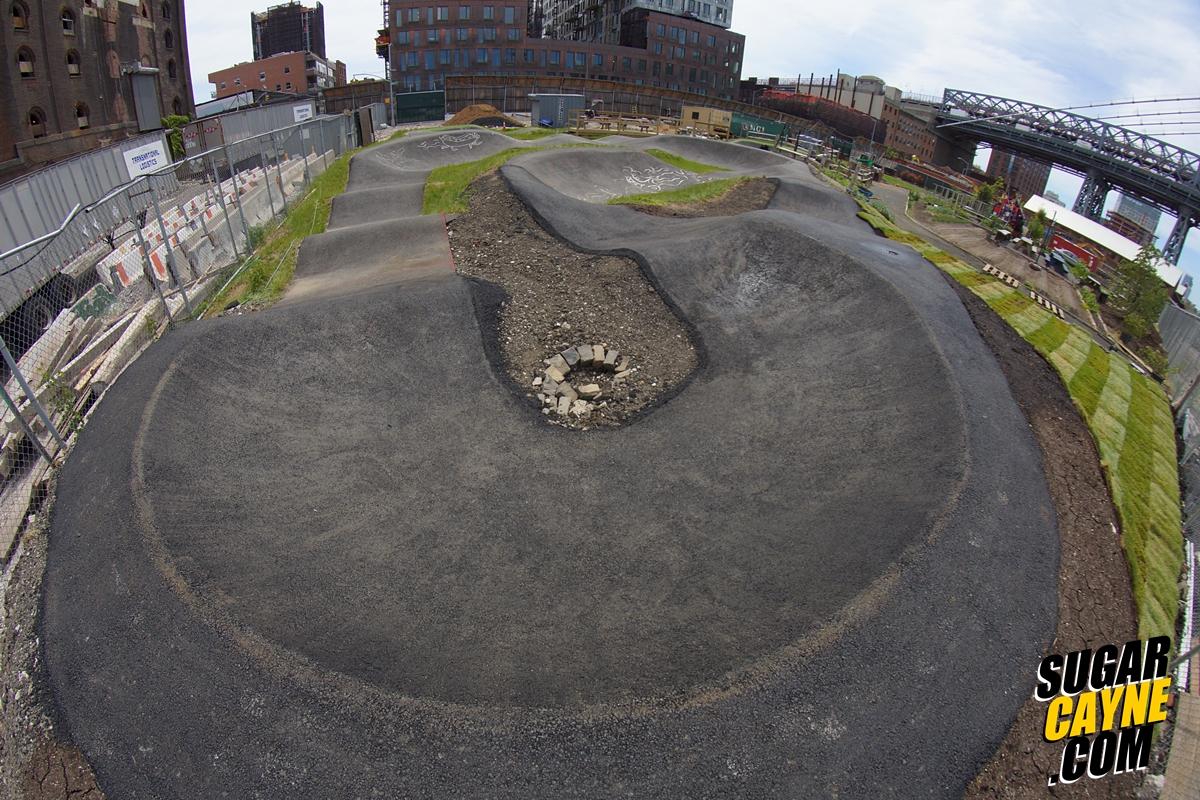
(988, 192)
(174, 125)
(1037, 227)
(1139, 292)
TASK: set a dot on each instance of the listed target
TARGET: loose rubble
(585, 337)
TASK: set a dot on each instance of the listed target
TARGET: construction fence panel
(80, 304)
(34, 205)
(1180, 331)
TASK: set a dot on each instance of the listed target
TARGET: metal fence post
(162, 229)
(237, 198)
(279, 174)
(29, 434)
(224, 210)
(41, 412)
(146, 265)
(262, 159)
(324, 158)
(303, 130)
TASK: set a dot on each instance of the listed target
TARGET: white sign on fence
(146, 158)
(302, 113)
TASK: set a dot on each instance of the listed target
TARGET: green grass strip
(527, 134)
(688, 194)
(684, 163)
(274, 261)
(1088, 383)
(445, 190)
(1129, 418)
(1050, 336)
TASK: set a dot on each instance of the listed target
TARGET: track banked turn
(327, 547)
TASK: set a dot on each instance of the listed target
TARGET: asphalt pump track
(329, 550)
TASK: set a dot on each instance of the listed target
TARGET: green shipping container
(420, 106)
(743, 124)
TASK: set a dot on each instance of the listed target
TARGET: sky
(1056, 53)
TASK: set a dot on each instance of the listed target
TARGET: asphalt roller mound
(328, 547)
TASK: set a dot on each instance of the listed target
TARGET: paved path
(328, 550)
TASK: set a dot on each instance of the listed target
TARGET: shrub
(1136, 325)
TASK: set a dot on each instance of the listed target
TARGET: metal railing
(80, 303)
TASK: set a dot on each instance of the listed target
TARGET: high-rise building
(289, 28)
(85, 75)
(1023, 175)
(667, 48)
(1134, 220)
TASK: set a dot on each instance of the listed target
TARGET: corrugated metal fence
(36, 204)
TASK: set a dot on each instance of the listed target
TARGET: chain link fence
(78, 304)
(1180, 331)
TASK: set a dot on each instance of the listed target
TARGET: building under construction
(290, 28)
(846, 121)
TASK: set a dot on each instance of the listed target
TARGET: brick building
(908, 134)
(425, 44)
(1026, 176)
(73, 68)
(298, 73)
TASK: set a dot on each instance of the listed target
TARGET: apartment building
(427, 43)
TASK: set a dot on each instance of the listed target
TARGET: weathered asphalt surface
(328, 550)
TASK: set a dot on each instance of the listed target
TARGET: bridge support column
(1174, 245)
(1091, 198)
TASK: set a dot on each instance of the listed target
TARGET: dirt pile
(485, 115)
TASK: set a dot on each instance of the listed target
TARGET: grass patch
(940, 217)
(903, 184)
(446, 185)
(1129, 418)
(445, 189)
(688, 194)
(527, 134)
(266, 273)
(684, 163)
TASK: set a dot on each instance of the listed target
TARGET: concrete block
(571, 356)
(610, 360)
(555, 374)
(585, 355)
(568, 391)
(623, 364)
(564, 405)
(589, 392)
(560, 363)
(550, 387)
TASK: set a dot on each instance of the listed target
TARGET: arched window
(177, 107)
(166, 12)
(68, 22)
(25, 62)
(20, 16)
(37, 123)
(73, 65)
(169, 39)
(81, 115)
(171, 71)
(144, 11)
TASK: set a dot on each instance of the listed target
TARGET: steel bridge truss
(1108, 156)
